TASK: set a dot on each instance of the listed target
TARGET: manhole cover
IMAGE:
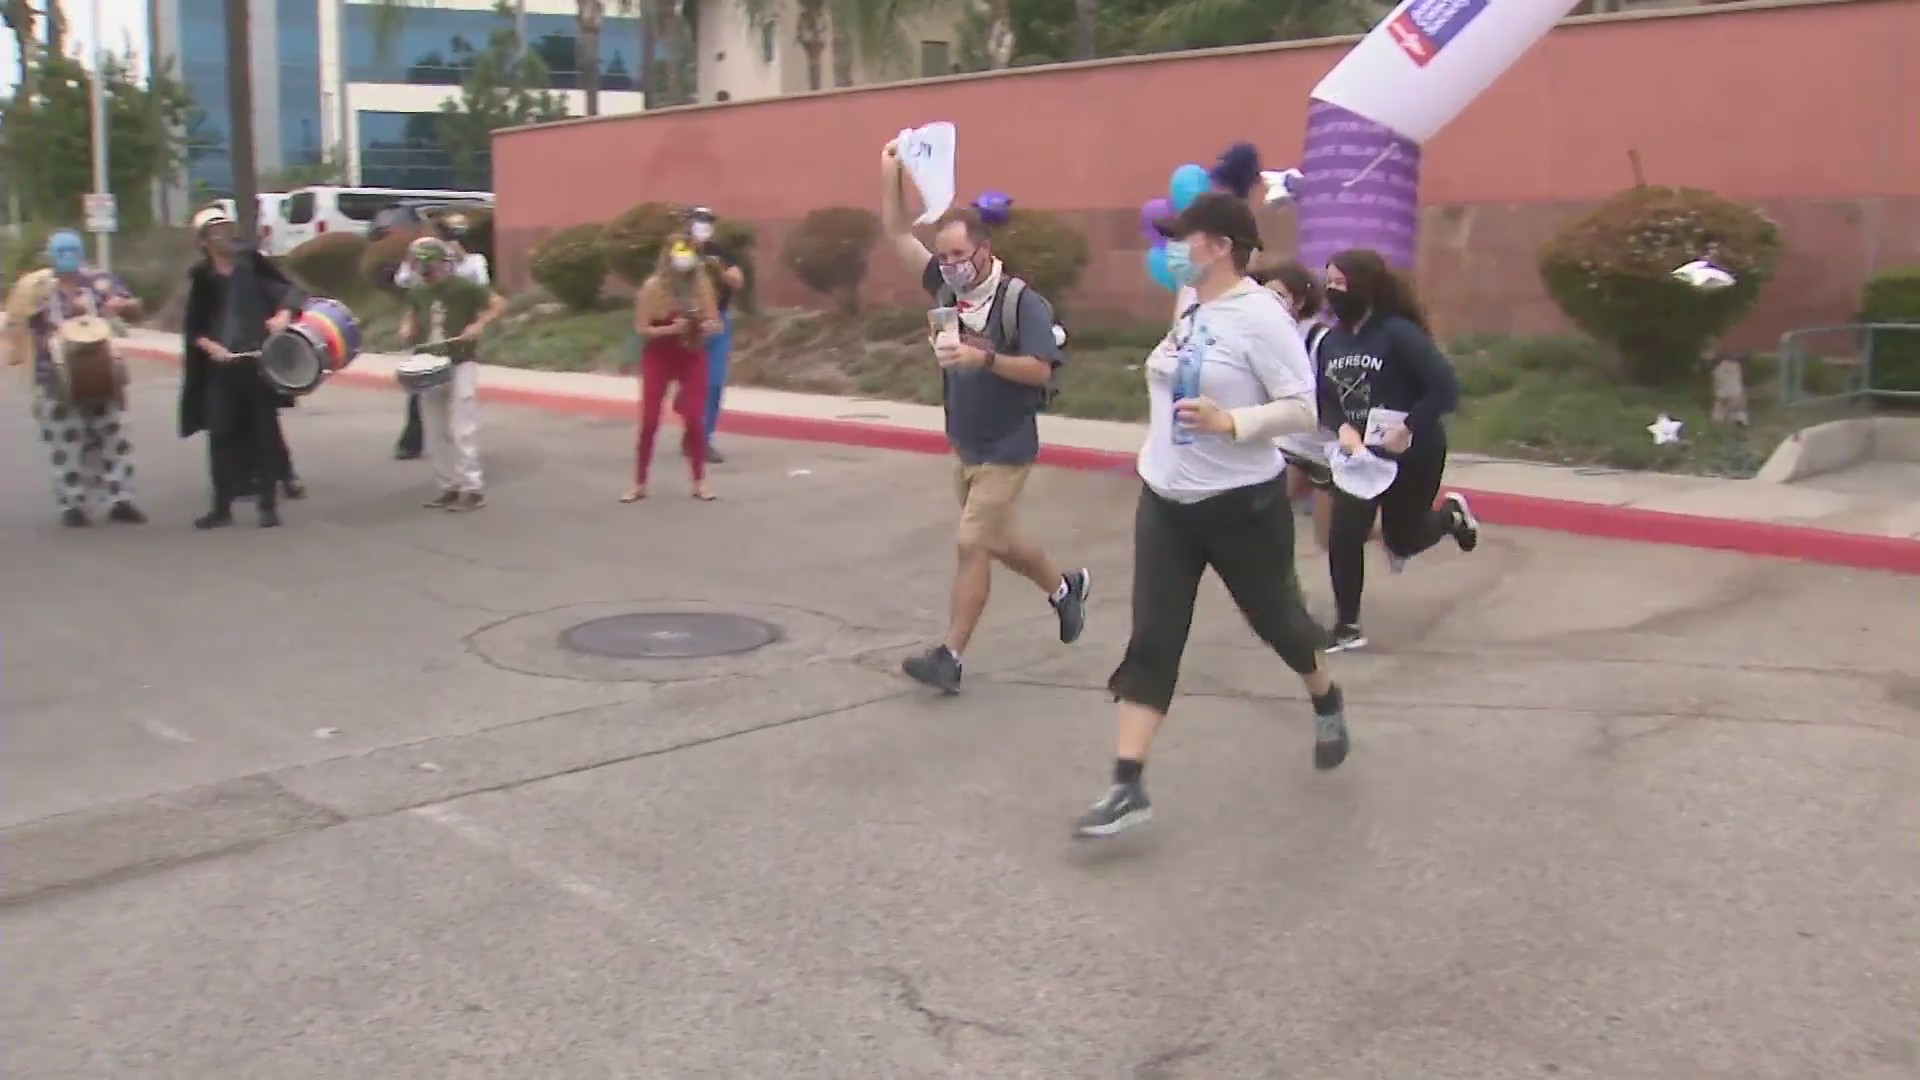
(669, 636)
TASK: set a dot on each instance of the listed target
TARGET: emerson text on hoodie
(1387, 363)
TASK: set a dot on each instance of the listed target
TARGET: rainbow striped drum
(323, 340)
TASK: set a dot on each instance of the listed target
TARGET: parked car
(316, 211)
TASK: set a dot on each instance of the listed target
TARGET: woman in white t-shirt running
(1229, 378)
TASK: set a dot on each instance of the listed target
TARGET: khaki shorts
(987, 494)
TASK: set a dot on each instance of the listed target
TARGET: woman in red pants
(673, 311)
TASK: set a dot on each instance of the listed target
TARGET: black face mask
(1345, 306)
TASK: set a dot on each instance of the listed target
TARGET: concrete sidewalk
(1840, 527)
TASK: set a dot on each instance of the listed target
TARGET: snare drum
(423, 371)
(85, 370)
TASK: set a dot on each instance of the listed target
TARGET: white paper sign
(1381, 421)
(1361, 475)
(927, 154)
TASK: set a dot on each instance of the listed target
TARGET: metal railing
(1836, 363)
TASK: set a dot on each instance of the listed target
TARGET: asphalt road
(333, 801)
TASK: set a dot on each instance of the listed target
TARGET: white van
(317, 211)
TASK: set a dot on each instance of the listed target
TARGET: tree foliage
(1044, 31)
(46, 142)
(504, 87)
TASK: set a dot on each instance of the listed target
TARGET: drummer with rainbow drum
(84, 434)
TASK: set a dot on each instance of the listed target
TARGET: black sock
(1330, 703)
(1127, 771)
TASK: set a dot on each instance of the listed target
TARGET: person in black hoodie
(1379, 360)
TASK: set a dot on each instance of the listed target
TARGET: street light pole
(102, 240)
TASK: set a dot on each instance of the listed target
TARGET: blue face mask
(65, 253)
(1180, 263)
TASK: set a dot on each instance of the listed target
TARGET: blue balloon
(1157, 268)
(1189, 182)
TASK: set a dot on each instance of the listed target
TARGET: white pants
(450, 416)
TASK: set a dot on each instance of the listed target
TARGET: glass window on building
(436, 46)
(402, 150)
(203, 72)
(298, 24)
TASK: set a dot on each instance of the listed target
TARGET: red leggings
(673, 360)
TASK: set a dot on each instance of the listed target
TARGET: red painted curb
(1825, 546)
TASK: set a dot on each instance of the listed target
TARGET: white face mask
(683, 263)
(701, 232)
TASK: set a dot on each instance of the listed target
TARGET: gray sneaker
(937, 667)
(1330, 737)
(1072, 608)
(1120, 809)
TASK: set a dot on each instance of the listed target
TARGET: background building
(325, 80)
(743, 61)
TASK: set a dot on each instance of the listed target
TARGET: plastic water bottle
(1186, 384)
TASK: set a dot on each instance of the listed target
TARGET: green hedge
(572, 265)
(1894, 297)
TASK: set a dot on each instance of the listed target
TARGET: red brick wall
(1810, 112)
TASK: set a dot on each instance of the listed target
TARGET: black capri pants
(1246, 536)
(1409, 525)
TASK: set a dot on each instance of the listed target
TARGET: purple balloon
(1153, 211)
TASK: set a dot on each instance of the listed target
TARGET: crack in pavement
(942, 1026)
(328, 817)
(1162, 1066)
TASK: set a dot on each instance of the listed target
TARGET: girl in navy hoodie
(1377, 364)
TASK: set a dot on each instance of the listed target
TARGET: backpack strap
(1006, 309)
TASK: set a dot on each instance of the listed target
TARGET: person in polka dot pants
(89, 448)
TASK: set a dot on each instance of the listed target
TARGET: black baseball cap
(1215, 213)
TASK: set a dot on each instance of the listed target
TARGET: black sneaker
(294, 488)
(406, 453)
(74, 518)
(1347, 636)
(1072, 608)
(126, 514)
(217, 519)
(1466, 527)
(269, 518)
(937, 667)
(1121, 808)
(715, 457)
(1330, 738)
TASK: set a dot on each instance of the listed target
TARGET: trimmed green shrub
(381, 260)
(1044, 251)
(1611, 272)
(828, 252)
(633, 240)
(1893, 296)
(329, 265)
(572, 265)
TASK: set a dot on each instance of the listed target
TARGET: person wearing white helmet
(236, 298)
(452, 228)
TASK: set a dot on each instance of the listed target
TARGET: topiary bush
(633, 240)
(1044, 251)
(381, 260)
(329, 265)
(1611, 272)
(828, 252)
(572, 265)
(1893, 296)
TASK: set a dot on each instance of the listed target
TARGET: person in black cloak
(236, 297)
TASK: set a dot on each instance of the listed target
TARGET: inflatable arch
(1359, 173)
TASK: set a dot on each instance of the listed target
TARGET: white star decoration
(1665, 430)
